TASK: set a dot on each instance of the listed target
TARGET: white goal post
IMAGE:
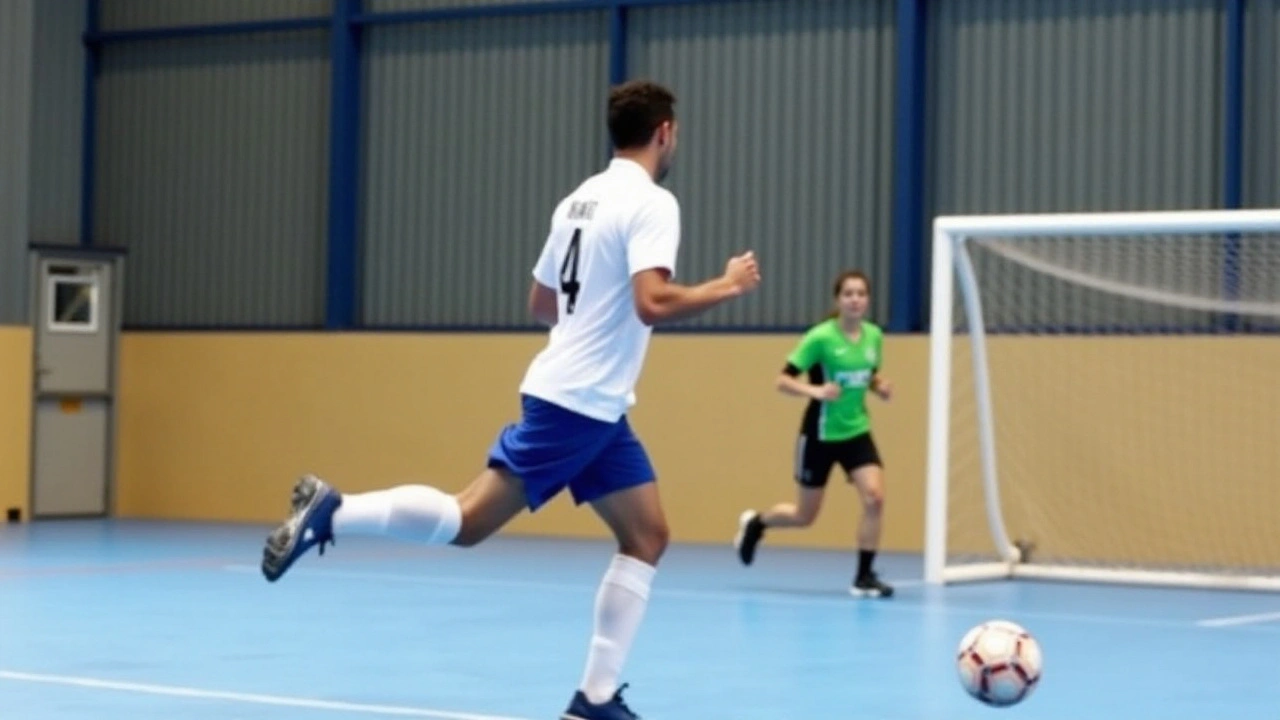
(1102, 399)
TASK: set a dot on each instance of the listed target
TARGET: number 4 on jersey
(569, 272)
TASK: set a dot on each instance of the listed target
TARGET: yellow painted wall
(217, 426)
(1157, 450)
(1131, 450)
(15, 418)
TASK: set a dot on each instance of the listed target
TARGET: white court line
(760, 596)
(297, 702)
(764, 596)
(1233, 620)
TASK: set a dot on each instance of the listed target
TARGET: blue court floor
(116, 620)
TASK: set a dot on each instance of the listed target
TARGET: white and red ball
(999, 663)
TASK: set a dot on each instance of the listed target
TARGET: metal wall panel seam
(88, 154)
(344, 166)
(907, 277)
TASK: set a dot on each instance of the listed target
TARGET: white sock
(620, 605)
(408, 512)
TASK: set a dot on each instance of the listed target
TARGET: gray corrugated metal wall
(17, 20)
(1262, 104)
(1072, 105)
(133, 14)
(1259, 261)
(786, 134)
(212, 171)
(1045, 106)
(1069, 106)
(57, 122)
(473, 132)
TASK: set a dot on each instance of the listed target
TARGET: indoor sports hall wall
(1261, 171)
(41, 116)
(16, 35)
(1139, 450)
(15, 417)
(210, 169)
(521, 98)
(1095, 465)
(259, 181)
(469, 130)
(41, 81)
(218, 426)
(282, 169)
(1125, 125)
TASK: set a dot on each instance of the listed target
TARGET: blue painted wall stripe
(907, 279)
(1233, 147)
(618, 51)
(618, 44)
(519, 10)
(97, 37)
(341, 306)
(89, 125)
(472, 12)
(1233, 125)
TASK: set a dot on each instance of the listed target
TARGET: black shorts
(814, 458)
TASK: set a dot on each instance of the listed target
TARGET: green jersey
(828, 355)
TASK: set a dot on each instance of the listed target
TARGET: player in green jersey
(841, 356)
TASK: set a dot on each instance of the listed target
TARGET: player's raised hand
(743, 271)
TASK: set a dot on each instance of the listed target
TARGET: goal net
(1105, 398)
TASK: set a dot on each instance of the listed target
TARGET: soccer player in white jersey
(602, 280)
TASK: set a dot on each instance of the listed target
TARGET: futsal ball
(999, 663)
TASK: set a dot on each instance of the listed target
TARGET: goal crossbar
(1171, 222)
(951, 265)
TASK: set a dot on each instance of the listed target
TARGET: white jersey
(612, 226)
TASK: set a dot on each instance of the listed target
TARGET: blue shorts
(553, 448)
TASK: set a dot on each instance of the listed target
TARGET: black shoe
(613, 709)
(750, 532)
(870, 586)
